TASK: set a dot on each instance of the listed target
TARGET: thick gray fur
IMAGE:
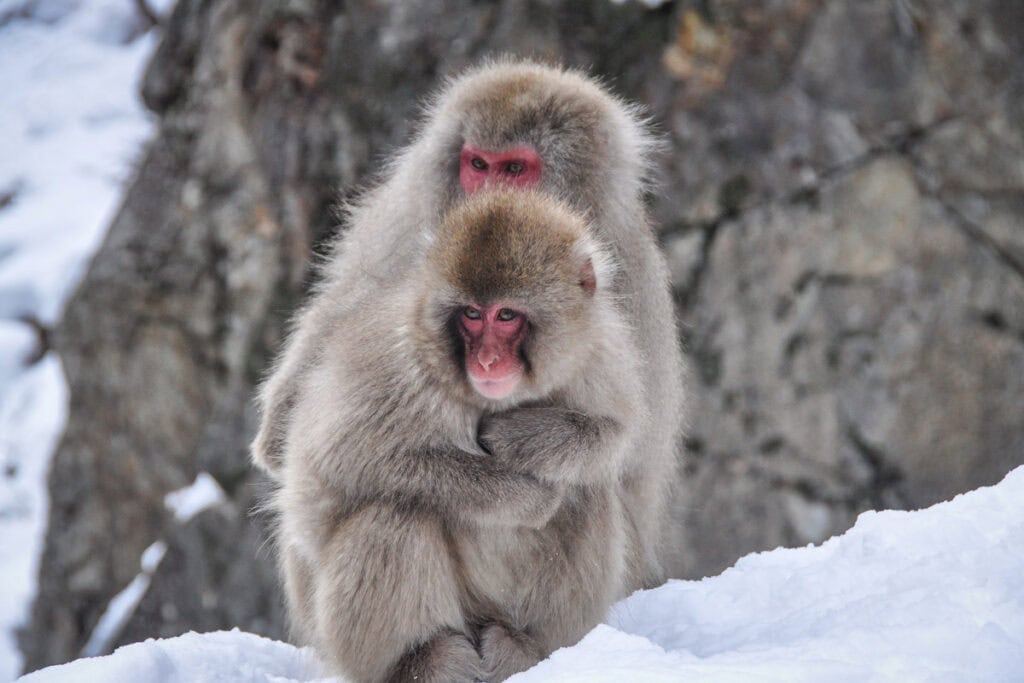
(406, 550)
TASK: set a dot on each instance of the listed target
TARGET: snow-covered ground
(933, 595)
(71, 126)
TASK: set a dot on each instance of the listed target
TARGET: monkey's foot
(505, 652)
(445, 658)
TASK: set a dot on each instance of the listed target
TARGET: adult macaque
(526, 126)
(410, 553)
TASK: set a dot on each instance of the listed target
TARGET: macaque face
(492, 336)
(508, 295)
(516, 167)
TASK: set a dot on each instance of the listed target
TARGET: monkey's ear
(587, 277)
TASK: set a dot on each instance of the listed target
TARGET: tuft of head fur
(505, 244)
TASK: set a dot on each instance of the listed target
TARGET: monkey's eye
(471, 313)
(515, 167)
(507, 314)
(479, 164)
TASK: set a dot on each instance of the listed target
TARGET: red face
(492, 335)
(518, 167)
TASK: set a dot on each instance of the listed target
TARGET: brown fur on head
(513, 243)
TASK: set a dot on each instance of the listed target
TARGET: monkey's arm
(276, 400)
(556, 443)
(469, 487)
(279, 393)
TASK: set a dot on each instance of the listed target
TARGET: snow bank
(192, 658)
(932, 595)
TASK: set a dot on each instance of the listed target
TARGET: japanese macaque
(531, 129)
(451, 496)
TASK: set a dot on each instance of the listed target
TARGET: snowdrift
(931, 595)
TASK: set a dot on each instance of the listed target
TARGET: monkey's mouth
(496, 388)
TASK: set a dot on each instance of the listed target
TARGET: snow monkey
(424, 540)
(526, 127)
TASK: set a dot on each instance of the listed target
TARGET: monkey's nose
(486, 357)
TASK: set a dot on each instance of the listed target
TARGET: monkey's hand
(535, 504)
(471, 487)
(554, 443)
(494, 494)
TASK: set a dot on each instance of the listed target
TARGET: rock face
(849, 239)
(842, 203)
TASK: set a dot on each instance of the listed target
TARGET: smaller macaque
(451, 500)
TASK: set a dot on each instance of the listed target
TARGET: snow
(187, 502)
(72, 125)
(33, 409)
(191, 658)
(17, 342)
(932, 595)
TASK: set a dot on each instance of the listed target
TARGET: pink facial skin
(518, 167)
(492, 335)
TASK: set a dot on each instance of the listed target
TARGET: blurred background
(841, 200)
